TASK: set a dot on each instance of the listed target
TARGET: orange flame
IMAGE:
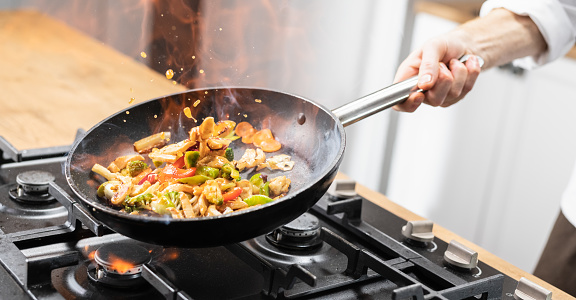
(119, 265)
(171, 254)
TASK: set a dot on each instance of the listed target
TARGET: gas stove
(344, 247)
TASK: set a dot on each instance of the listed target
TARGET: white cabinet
(491, 168)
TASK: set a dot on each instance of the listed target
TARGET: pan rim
(97, 205)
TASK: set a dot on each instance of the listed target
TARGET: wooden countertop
(56, 80)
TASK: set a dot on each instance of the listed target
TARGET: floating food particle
(201, 71)
(169, 73)
(131, 100)
(196, 102)
(220, 28)
(174, 82)
(155, 116)
(143, 54)
(245, 115)
(187, 112)
(127, 112)
(258, 100)
(193, 56)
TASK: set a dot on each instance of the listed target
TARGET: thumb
(428, 72)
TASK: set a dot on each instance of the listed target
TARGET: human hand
(445, 79)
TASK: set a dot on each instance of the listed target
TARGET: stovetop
(356, 250)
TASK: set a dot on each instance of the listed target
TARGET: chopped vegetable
(262, 135)
(179, 163)
(257, 180)
(191, 158)
(270, 145)
(231, 195)
(265, 189)
(243, 129)
(208, 171)
(257, 199)
(150, 177)
(142, 199)
(197, 176)
(136, 167)
(195, 180)
(229, 154)
(224, 129)
(154, 141)
(229, 172)
(170, 172)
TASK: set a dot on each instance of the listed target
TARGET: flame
(170, 254)
(119, 265)
(206, 43)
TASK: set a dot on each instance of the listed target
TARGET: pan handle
(383, 99)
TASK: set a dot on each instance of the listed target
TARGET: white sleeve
(556, 20)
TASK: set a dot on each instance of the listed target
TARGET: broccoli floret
(136, 167)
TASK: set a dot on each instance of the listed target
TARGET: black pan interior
(308, 132)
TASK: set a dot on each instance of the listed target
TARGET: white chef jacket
(556, 20)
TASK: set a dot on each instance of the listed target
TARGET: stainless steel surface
(378, 101)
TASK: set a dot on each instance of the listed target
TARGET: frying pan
(313, 135)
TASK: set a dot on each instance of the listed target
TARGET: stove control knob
(528, 290)
(461, 256)
(342, 189)
(420, 231)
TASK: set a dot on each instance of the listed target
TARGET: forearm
(500, 37)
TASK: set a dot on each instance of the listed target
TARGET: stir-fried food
(195, 177)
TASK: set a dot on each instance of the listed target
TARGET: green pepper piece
(257, 180)
(157, 163)
(191, 158)
(227, 186)
(265, 189)
(257, 199)
(229, 154)
(195, 180)
(208, 171)
(101, 188)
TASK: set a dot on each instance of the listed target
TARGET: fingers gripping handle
(383, 99)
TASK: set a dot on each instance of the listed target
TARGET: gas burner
(300, 234)
(33, 187)
(119, 265)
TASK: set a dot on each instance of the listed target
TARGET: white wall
(491, 168)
